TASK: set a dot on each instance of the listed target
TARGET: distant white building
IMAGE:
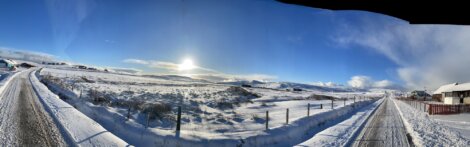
(7, 63)
(454, 93)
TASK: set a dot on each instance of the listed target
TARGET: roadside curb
(66, 134)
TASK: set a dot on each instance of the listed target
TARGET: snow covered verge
(5, 78)
(458, 122)
(342, 133)
(426, 131)
(77, 127)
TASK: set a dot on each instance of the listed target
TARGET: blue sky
(286, 42)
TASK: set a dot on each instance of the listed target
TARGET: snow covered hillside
(210, 110)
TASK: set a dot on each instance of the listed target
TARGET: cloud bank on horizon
(25, 55)
(427, 55)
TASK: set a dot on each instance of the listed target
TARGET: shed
(454, 93)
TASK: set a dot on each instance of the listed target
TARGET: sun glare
(186, 65)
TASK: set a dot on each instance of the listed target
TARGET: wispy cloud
(199, 72)
(65, 23)
(124, 70)
(169, 66)
(427, 55)
(221, 77)
(135, 61)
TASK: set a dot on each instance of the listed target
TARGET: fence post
(178, 120)
(267, 120)
(331, 103)
(129, 112)
(424, 107)
(308, 109)
(430, 109)
(287, 116)
(81, 90)
(321, 106)
(148, 119)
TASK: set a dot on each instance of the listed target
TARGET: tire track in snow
(385, 129)
(24, 122)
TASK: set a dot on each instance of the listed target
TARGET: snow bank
(341, 133)
(82, 130)
(427, 131)
(5, 78)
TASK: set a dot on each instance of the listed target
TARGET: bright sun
(186, 65)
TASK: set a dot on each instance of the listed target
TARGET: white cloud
(366, 82)
(25, 55)
(164, 65)
(326, 84)
(361, 82)
(427, 55)
(135, 61)
(125, 70)
(250, 77)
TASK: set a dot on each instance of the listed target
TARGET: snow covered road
(384, 128)
(24, 122)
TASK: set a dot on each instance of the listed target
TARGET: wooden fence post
(287, 116)
(308, 109)
(331, 103)
(178, 119)
(148, 119)
(129, 112)
(267, 120)
(424, 107)
(430, 109)
(321, 106)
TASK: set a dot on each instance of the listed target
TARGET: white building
(7, 63)
(454, 93)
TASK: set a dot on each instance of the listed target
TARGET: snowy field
(457, 122)
(209, 110)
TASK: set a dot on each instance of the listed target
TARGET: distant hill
(290, 85)
(176, 78)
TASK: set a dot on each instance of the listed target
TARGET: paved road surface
(23, 120)
(384, 129)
